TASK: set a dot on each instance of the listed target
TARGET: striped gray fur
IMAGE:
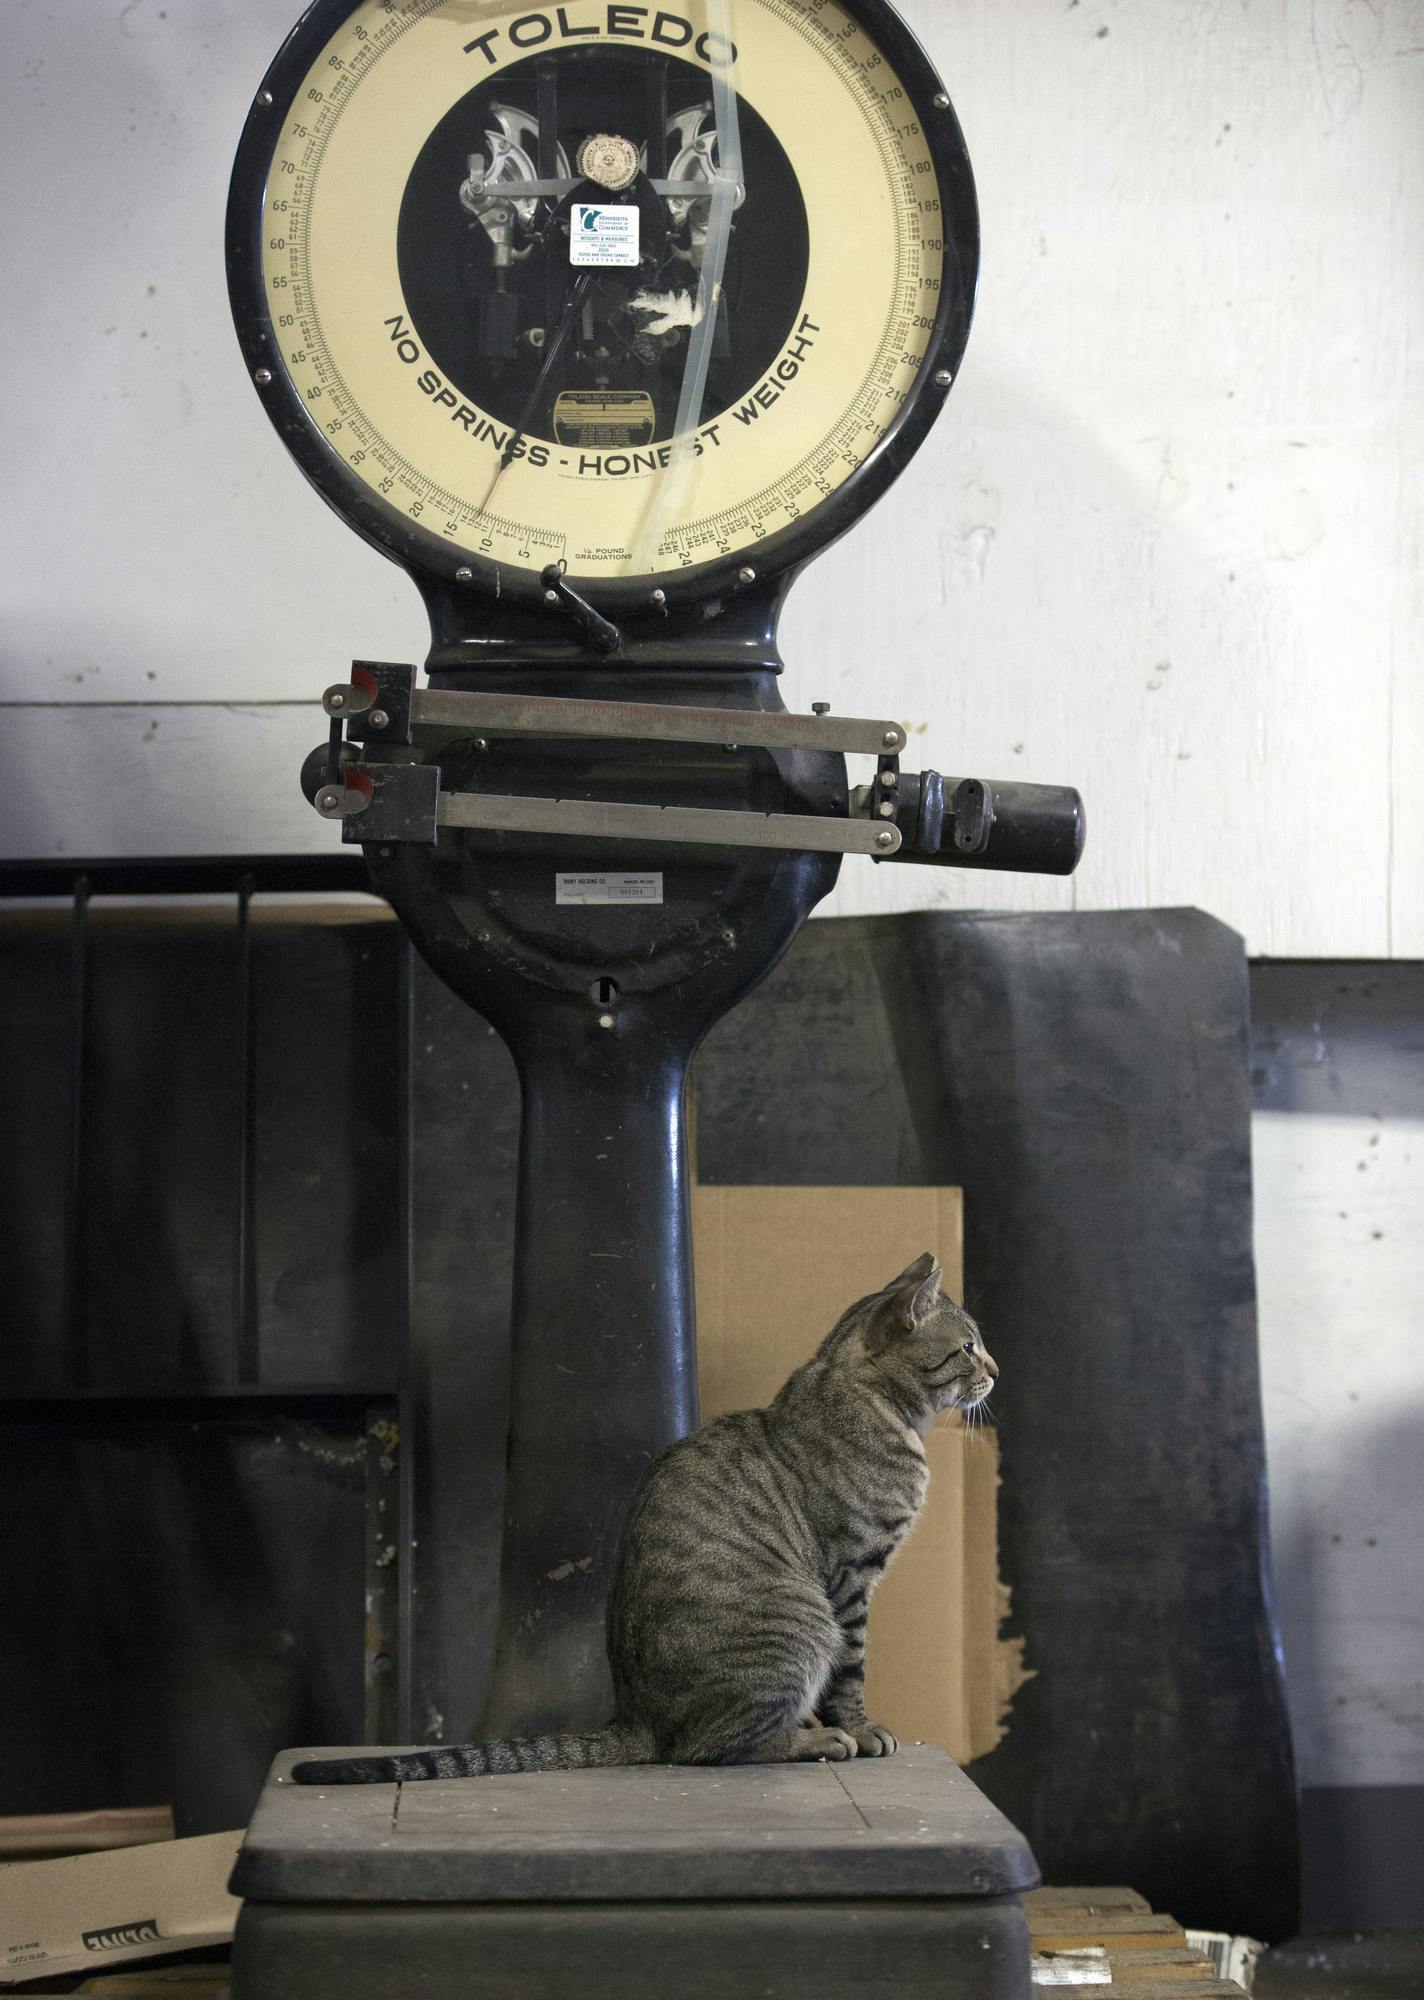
(737, 1616)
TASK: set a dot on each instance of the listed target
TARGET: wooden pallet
(1115, 1934)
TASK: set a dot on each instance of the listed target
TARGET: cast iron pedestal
(787, 1882)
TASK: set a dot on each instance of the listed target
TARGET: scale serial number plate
(608, 888)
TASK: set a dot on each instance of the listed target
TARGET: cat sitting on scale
(736, 1622)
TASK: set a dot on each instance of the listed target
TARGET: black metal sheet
(156, 1228)
(848, 1949)
(1085, 1080)
(185, 1596)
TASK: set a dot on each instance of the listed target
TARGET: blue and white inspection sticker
(608, 888)
(603, 233)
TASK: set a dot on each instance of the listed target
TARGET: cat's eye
(968, 1347)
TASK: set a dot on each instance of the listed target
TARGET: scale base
(791, 1882)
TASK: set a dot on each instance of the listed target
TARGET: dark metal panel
(464, 1122)
(327, 1027)
(187, 874)
(185, 1597)
(1338, 1037)
(200, 1190)
(36, 1013)
(1085, 1079)
(846, 1950)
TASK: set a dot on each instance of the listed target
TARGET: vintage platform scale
(602, 319)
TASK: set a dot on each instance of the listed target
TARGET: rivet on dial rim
(746, 575)
(262, 376)
(941, 102)
(657, 597)
(464, 574)
(943, 378)
(264, 97)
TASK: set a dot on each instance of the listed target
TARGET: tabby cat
(736, 1622)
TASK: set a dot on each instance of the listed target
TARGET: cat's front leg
(846, 1712)
(842, 1703)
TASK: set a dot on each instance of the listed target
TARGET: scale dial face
(643, 291)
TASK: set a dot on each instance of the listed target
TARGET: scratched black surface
(1085, 1080)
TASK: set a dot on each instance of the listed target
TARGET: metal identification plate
(608, 888)
(606, 418)
(603, 233)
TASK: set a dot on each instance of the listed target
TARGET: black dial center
(488, 278)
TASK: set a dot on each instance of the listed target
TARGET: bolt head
(328, 800)
(884, 839)
(887, 809)
(746, 575)
(889, 779)
(605, 1020)
(820, 708)
(384, 852)
(264, 97)
(482, 743)
(941, 101)
(464, 574)
(551, 596)
(891, 738)
(943, 378)
(336, 701)
(262, 376)
(378, 718)
(658, 597)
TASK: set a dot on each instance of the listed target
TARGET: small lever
(601, 635)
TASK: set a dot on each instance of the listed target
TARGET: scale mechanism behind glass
(601, 320)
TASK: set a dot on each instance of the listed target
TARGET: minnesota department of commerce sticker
(603, 233)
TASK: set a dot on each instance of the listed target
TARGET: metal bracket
(377, 704)
(403, 710)
(404, 802)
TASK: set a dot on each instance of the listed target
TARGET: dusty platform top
(912, 1825)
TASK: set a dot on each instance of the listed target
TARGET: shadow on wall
(1338, 1140)
(1352, 1614)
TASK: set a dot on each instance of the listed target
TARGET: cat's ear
(911, 1297)
(922, 1267)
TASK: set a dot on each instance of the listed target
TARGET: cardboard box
(775, 1269)
(97, 1910)
(34, 1835)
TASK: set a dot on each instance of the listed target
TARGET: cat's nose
(991, 1365)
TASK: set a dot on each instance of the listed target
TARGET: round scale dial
(637, 290)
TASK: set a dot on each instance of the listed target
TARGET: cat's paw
(830, 1745)
(875, 1740)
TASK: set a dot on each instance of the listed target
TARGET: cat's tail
(619, 1743)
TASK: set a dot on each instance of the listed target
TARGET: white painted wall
(1164, 545)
